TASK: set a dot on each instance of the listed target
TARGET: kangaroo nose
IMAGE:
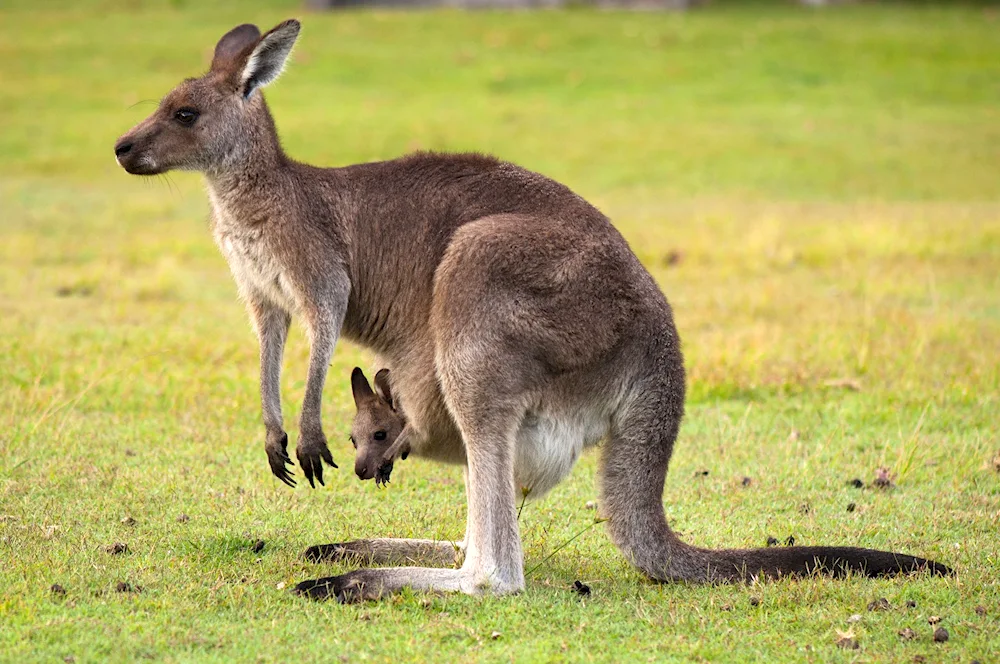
(122, 147)
(361, 470)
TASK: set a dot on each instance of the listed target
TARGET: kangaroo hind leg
(493, 558)
(389, 551)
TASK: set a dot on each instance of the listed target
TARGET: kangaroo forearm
(272, 330)
(325, 309)
(319, 361)
(400, 446)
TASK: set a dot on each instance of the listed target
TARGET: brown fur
(518, 326)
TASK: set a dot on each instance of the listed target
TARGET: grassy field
(817, 192)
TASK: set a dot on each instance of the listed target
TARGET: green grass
(829, 180)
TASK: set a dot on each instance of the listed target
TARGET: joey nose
(361, 470)
(122, 147)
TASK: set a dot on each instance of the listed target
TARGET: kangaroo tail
(633, 468)
(708, 565)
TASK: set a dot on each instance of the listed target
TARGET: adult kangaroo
(518, 326)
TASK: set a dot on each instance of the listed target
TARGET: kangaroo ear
(268, 57)
(360, 388)
(234, 47)
(382, 387)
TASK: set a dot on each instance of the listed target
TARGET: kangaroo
(379, 433)
(518, 325)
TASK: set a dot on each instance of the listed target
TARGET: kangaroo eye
(380, 435)
(186, 116)
(353, 443)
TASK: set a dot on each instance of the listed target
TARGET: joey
(379, 432)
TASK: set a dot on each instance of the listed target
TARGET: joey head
(379, 432)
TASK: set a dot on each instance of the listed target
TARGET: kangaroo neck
(254, 175)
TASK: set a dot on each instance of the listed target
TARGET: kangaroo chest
(253, 262)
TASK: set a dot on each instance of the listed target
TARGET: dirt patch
(848, 643)
(880, 604)
(672, 258)
(117, 549)
(883, 479)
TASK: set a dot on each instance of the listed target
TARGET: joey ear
(382, 386)
(268, 57)
(360, 388)
(234, 47)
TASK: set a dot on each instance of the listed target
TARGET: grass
(816, 192)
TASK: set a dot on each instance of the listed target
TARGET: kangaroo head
(377, 424)
(212, 123)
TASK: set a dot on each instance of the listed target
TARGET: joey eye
(380, 435)
(186, 116)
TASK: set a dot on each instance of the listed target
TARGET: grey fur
(518, 326)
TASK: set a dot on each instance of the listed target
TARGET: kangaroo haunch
(518, 326)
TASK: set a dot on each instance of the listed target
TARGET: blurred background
(815, 186)
(765, 159)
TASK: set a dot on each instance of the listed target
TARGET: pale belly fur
(548, 445)
(551, 437)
